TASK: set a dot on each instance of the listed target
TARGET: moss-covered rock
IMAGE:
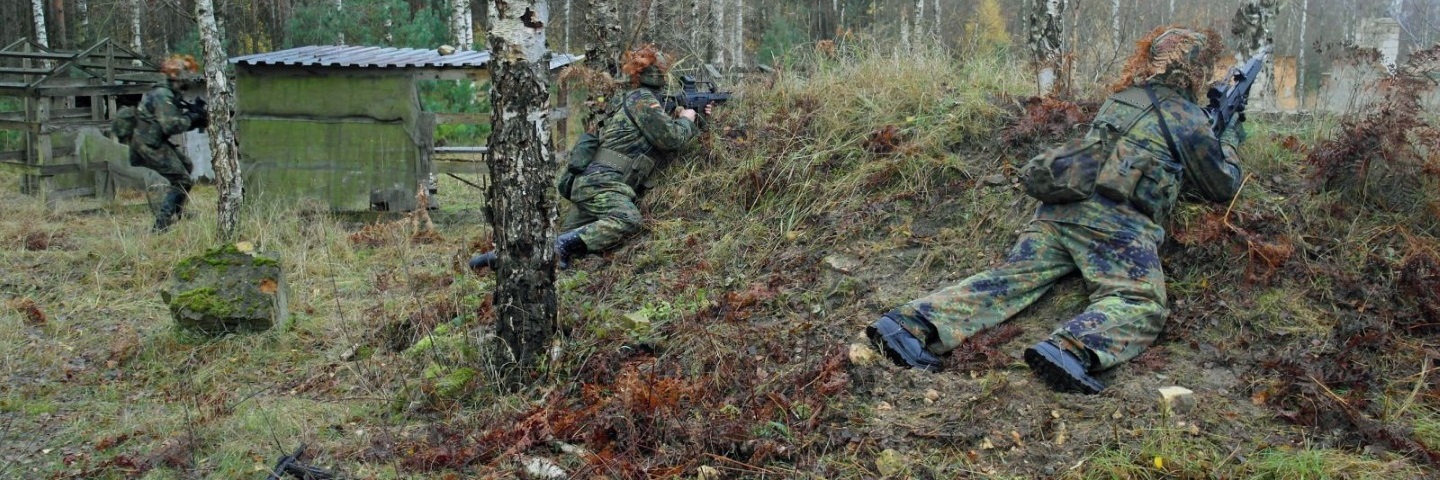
(227, 289)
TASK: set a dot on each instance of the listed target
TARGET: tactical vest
(634, 169)
(1106, 161)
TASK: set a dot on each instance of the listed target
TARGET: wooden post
(43, 146)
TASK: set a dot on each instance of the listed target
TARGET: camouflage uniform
(1112, 244)
(159, 116)
(630, 151)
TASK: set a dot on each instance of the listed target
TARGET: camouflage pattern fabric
(1113, 245)
(157, 118)
(605, 210)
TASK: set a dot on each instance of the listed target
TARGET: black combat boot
(484, 260)
(170, 208)
(900, 346)
(569, 246)
(1060, 369)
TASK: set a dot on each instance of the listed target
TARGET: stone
(842, 263)
(891, 464)
(862, 355)
(1176, 399)
(995, 180)
(541, 468)
(227, 290)
(706, 472)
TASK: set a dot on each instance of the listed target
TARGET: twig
(742, 466)
(1234, 199)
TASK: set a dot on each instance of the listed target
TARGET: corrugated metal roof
(379, 57)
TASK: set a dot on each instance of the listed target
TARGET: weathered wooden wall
(349, 138)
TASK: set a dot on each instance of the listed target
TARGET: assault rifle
(691, 97)
(1228, 99)
(196, 108)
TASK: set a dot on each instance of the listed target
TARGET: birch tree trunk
(568, 20)
(38, 9)
(1044, 37)
(520, 178)
(1115, 43)
(937, 18)
(904, 32)
(1172, 11)
(135, 43)
(695, 44)
(919, 29)
(461, 34)
(340, 11)
(1254, 23)
(604, 23)
(738, 40)
(222, 133)
(1300, 48)
(717, 37)
(83, 36)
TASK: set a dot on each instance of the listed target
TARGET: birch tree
(462, 24)
(1254, 24)
(603, 53)
(135, 42)
(38, 9)
(1044, 38)
(82, 7)
(1115, 42)
(340, 32)
(520, 178)
(717, 26)
(222, 133)
(919, 29)
(1300, 48)
(738, 40)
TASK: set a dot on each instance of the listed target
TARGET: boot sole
(1047, 365)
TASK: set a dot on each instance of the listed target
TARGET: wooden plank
(94, 90)
(462, 166)
(462, 118)
(40, 170)
(462, 150)
(12, 155)
(67, 125)
(24, 71)
(19, 126)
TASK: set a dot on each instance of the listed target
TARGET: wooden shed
(344, 124)
(62, 93)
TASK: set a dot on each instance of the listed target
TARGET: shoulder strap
(625, 107)
(1164, 129)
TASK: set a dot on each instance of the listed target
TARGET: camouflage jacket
(160, 115)
(654, 133)
(1208, 168)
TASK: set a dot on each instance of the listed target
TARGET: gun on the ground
(692, 97)
(290, 466)
(1228, 100)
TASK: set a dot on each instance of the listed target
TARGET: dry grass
(716, 338)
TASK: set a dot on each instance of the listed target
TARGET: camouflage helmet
(1173, 56)
(180, 68)
(1178, 59)
(654, 75)
(646, 66)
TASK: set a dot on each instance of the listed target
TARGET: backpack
(1103, 162)
(122, 125)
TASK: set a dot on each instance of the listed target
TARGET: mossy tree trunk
(603, 51)
(221, 132)
(521, 168)
(1254, 23)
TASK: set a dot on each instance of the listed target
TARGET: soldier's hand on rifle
(687, 114)
(709, 108)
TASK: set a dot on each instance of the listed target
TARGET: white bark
(919, 18)
(937, 18)
(694, 25)
(83, 6)
(222, 134)
(459, 32)
(521, 172)
(135, 43)
(1115, 26)
(340, 35)
(738, 40)
(568, 20)
(717, 23)
(1045, 27)
(38, 6)
(1301, 47)
(904, 34)
(1172, 10)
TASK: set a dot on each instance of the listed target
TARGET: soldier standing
(636, 138)
(161, 114)
(1112, 242)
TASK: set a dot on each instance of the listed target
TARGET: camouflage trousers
(605, 211)
(1122, 269)
(165, 160)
